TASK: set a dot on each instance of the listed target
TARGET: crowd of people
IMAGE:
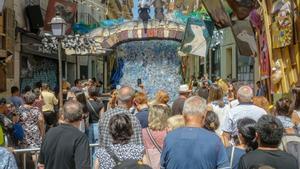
(217, 124)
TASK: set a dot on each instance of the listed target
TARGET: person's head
(37, 92)
(223, 85)
(258, 84)
(211, 121)
(29, 98)
(77, 83)
(247, 133)
(282, 107)
(216, 94)
(125, 96)
(26, 89)
(175, 122)
(80, 97)
(184, 90)
(93, 92)
(38, 84)
(296, 94)
(45, 87)
(158, 116)
(120, 128)
(15, 91)
(194, 110)
(261, 102)
(162, 97)
(72, 111)
(245, 94)
(140, 100)
(269, 131)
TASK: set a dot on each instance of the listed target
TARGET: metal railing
(35, 152)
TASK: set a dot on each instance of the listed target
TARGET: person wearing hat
(184, 93)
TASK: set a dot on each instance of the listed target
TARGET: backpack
(126, 164)
(291, 144)
(18, 132)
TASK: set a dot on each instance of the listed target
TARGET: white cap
(184, 89)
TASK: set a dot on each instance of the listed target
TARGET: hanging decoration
(282, 24)
(194, 41)
(217, 12)
(242, 8)
(245, 38)
(216, 39)
(263, 49)
(66, 9)
(78, 44)
(157, 65)
(82, 28)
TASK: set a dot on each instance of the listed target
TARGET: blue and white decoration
(156, 62)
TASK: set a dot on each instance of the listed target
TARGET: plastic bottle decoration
(276, 73)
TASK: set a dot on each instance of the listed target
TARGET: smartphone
(139, 82)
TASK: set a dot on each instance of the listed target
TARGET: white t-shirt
(241, 111)
(221, 112)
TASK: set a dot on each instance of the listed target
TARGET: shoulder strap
(232, 156)
(153, 140)
(112, 155)
(92, 107)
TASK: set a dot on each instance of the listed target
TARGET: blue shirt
(142, 116)
(193, 148)
(16, 101)
(237, 154)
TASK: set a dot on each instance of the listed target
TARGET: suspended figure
(159, 9)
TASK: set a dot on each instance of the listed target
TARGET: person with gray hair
(32, 122)
(245, 109)
(192, 146)
(65, 146)
(125, 102)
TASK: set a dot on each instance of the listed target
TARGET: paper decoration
(217, 13)
(245, 38)
(282, 24)
(155, 62)
(66, 9)
(194, 41)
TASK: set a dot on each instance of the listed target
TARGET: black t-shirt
(65, 147)
(94, 107)
(274, 158)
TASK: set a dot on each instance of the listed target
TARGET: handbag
(153, 141)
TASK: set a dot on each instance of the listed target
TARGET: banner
(66, 9)
(194, 41)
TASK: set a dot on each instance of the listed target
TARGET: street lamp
(58, 26)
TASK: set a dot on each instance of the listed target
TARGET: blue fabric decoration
(117, 73)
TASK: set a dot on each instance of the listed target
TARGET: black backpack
(126, 164)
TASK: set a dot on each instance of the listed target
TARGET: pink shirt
(151, 151)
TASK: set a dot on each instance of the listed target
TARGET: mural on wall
(155, 62)
(36, 69)
(245, 38)
(66, 9)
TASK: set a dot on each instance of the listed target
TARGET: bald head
(125, 94)
(194, 106)
(245, 94)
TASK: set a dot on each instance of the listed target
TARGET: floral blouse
(123, 152)
(29, 120)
